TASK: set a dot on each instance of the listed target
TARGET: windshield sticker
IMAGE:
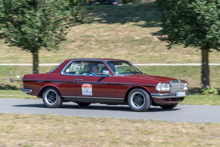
(86, 89)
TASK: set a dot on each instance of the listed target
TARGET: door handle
(78, 79)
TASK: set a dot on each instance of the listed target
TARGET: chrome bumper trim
(84, 97)
(26, 90)
(166, 95)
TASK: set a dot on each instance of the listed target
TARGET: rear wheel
(52, 98)
(139, 100)
(83, 104)
(169, 106)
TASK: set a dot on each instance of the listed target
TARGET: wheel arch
(134, 87)
(40, 94)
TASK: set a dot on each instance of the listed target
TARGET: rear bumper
(26, 90)
(166, 95)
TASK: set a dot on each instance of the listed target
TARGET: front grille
(177, 86)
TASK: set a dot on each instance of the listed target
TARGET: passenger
(86, 70)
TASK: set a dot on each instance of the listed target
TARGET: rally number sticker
(86, 89)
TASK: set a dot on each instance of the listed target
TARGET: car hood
(152, 78)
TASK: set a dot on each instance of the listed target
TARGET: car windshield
(123, 67)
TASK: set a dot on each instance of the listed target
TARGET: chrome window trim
(75, 60)
(87, 75)
(62, 71)
(105, 63)
(124, 61)
(93, 75)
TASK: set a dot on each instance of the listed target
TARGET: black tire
(52, 98)
(83, 104)
(169, 106)
(139, 100)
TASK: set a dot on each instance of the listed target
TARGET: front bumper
(26, 90)
(166, 95)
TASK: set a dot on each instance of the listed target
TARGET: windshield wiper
(125, 73)
(131, 73)
(137, 72)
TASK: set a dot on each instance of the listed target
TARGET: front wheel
(139, 100)
(52, 98)
(169, 106)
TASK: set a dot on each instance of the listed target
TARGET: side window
(73, 68)
(102, 67)
(92, 68)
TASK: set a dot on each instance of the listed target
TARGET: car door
(68, 76)
(92, 84)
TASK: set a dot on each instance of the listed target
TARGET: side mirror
(106, 72)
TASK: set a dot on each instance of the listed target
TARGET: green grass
(57, 131)
(198, 99)
(7, 72)
(15, 94)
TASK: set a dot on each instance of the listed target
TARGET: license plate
(181, 94)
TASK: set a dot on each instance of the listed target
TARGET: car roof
(95, 59)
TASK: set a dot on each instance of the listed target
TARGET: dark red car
(106, 81)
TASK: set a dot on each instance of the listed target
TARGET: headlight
(185, 86)
(163, 87)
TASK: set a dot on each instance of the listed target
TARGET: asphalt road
(182, 113)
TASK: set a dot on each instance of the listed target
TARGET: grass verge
(15, 94)
(198, 99)
(49, 130)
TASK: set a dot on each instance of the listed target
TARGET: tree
(36, 24)
(192, 23)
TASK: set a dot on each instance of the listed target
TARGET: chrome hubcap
(137, 99)
(51, 97)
